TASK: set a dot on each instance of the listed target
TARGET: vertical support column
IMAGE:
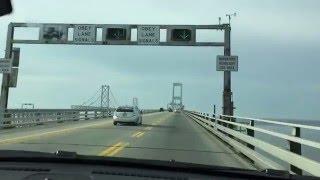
(181, 104)
(214, 112)
(172, 102)
(108, 102)
(250, 132)
(227, 93)
(102, 96)
(6, 77)
(295, 148)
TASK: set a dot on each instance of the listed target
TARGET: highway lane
(163, 136)
(78, 135)
(179, 138)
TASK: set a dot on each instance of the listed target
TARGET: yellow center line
(136, 134)
(141, 134)
(110, 149)
(112, 153)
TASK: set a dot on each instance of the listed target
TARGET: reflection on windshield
(125, 110)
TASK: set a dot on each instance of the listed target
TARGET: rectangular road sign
(227, 63)
(85, 34)
(119, 34)
(148, 35)
(5, 65)
(13, 77)
(51, 33)
(116, 34)
(181, 35)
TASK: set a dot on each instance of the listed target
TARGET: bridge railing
(28, 117)
(23, 117)
(246, 143)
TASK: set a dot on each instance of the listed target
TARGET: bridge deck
(162, 136)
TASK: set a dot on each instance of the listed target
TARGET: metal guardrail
(25, 117)
(226, 129)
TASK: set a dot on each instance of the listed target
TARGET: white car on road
(127, 114)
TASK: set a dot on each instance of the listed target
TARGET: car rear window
(124, 110)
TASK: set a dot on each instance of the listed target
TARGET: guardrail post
(38, 118)
(110, 113)
(95, 115)
(86, 115)
(226, 119)
(75, 116)
(220, 117)
(231, 126)
(103, 113)
(295, 148)
(59, 117)
(250, 132)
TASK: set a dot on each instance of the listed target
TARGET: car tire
(115, 123)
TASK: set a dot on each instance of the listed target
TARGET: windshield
(124, 110)
(230, 84)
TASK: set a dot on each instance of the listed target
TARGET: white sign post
(227, 63)
(148, 35)
(5, 65)
(84, 34)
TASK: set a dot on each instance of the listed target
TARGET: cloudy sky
(277, 42)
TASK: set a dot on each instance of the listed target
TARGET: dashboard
(53, 171)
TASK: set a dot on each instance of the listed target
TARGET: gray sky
(277, 43)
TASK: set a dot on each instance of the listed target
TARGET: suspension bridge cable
(90, 99)
(115, 101)
(93, 102)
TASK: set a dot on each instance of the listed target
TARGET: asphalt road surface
(162, 136)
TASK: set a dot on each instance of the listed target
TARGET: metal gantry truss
(177, 35)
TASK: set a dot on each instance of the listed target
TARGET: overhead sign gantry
(117, 34)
